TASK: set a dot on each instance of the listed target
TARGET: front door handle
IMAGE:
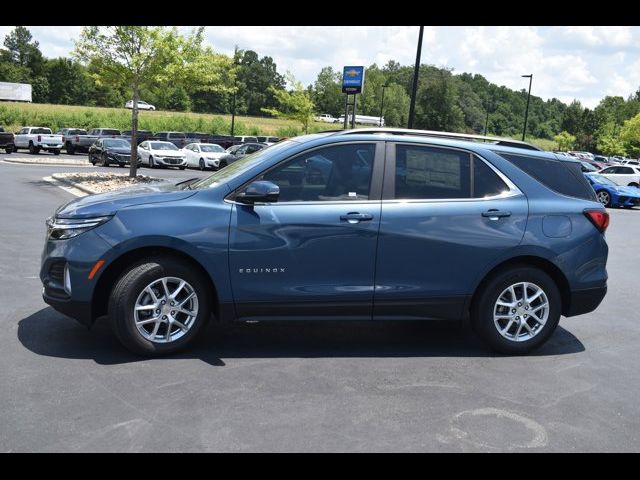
(496, 214)
(355, 217)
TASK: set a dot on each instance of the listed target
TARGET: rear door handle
(496, 214)
(355, 217)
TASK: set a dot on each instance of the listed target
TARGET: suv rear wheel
(517, 310)
(159, 306)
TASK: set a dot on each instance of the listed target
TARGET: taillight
(599, 218)
(39, 138)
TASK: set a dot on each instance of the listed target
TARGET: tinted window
(41, 130)
(163, 146)
(560, 176)
(210, 148)
(486, 182)
(262, 139)
(428, 172)
(625, 170)
(610, 170)
(110, 132)
(177, 135)
(116, 143)
(341, 172)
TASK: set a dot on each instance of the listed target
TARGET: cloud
(582, 62)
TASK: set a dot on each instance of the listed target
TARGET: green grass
(15, 115)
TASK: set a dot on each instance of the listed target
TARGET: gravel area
(105, 182)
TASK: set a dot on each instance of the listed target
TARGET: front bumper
(170, 162)
(212, 163)
(78, 255)
(585, 301)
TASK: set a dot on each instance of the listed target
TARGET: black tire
(9, 149)
(604, 197)
(483, 307)
(633, 184)
(223, 164)
(182, 167)
(33, 150)
(105, 161)
(56, 152)
(124, 294)
(151, 164)
(71, 150)
(202, 165)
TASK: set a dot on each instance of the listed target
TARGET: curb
(61, 163)
(71, 183)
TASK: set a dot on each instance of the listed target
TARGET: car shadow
(51, 334)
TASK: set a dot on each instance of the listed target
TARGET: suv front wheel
(517, 310)
(159, 306)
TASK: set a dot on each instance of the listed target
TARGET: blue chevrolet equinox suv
(375, 224)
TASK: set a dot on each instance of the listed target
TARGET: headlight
(63, 228)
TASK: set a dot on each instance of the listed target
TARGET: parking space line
(66, 188)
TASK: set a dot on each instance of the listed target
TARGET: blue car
(376, 224)
(612, 195)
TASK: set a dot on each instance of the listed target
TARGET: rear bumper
(585, 301)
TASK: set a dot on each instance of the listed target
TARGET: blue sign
(352, 79)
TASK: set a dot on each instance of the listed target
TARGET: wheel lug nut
(173, 313)
(513, 310)
(525, 315)
(519, 304)
(164, 317)
(527, 307)
(163, 302)
(517, 318)
(158, 311)
(172, 304)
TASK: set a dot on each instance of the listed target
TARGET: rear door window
(560, 176)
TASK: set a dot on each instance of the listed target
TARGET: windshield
(236, 168)
(602, 180)
(211, 148)
(163, 146)
(117, 144)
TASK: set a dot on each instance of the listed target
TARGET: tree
(630, 135)
(327, 92)
(437, 104)
(294, 105)
(565, 141)
(137, 57)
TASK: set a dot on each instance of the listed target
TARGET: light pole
(526, 112)
(382, 105)
(416, 72)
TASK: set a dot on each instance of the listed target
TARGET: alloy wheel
(521, 311)
(165, 310)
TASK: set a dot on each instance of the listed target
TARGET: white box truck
(15, 92)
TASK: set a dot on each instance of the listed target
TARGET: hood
(214, 154)
(123, 150)
(628, 191)
(109, 203)
(168, 153)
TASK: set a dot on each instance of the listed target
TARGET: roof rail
(506, 142)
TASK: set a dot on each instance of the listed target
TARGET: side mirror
(261, 191)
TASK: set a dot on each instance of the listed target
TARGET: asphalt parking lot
(405, 386)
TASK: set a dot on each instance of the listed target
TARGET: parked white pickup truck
(325, 117)
(38, 138)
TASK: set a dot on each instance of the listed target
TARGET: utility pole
(526, 112)
(416, 72)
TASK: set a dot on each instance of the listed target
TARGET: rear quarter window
(562, 177)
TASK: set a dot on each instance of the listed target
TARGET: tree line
(252, 84)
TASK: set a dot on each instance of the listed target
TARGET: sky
(584, 63)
